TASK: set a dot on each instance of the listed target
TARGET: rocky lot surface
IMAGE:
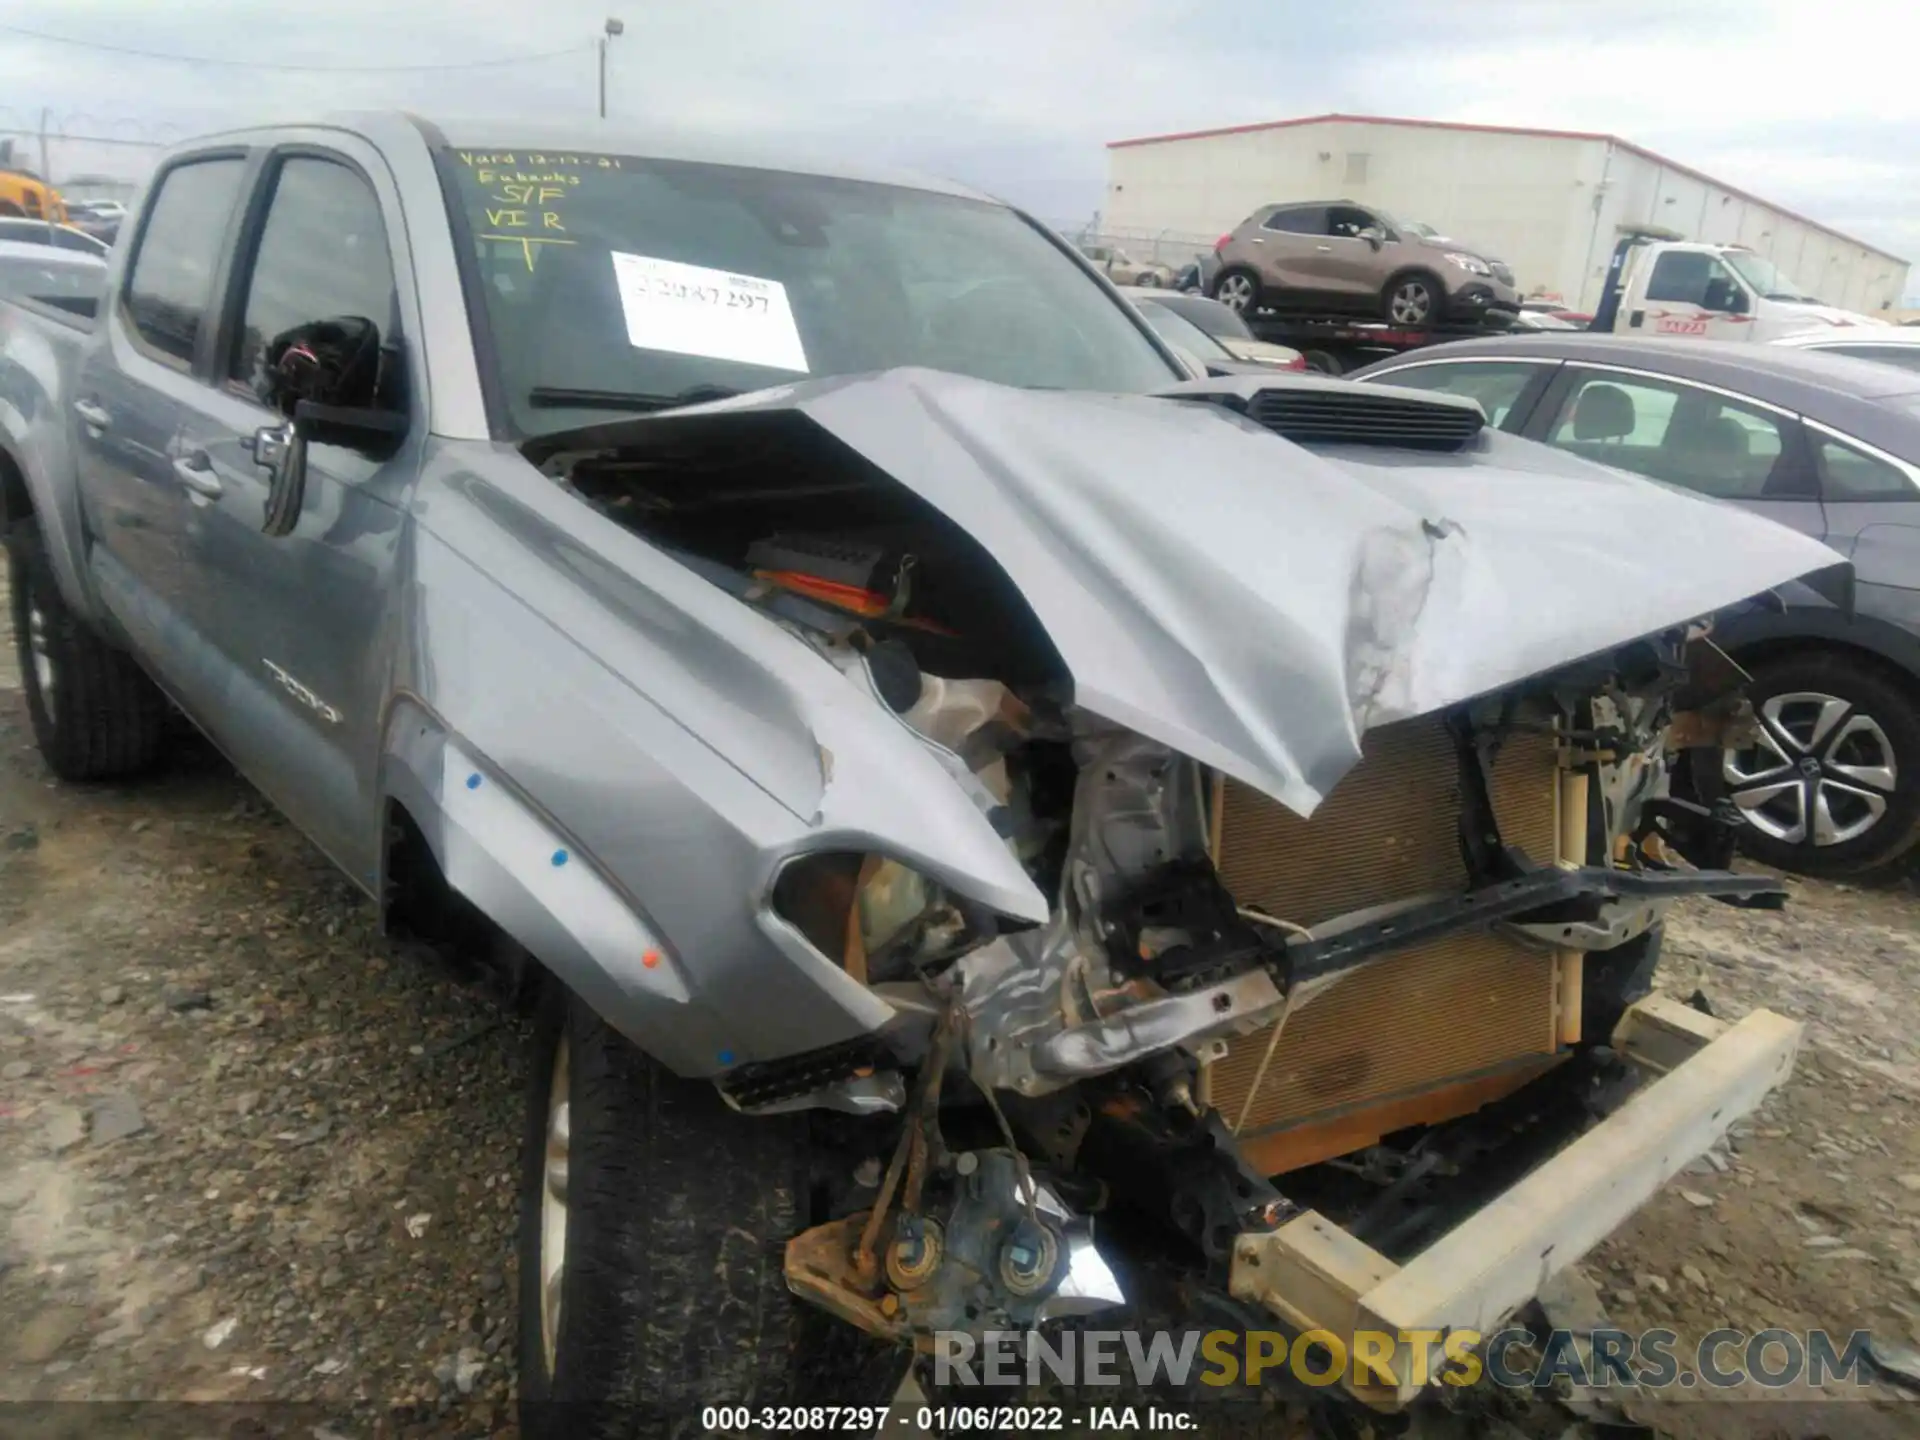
(250, 1154)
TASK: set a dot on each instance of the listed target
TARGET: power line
(270, 65)
(55, 136)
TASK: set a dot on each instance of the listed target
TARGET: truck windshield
(617, 282)
(1765, 277)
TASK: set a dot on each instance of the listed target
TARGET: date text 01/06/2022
(943, 1419)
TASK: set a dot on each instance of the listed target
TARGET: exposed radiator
(1460, 1009)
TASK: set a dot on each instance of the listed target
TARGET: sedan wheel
(1830, 785)
(1821, 771)
(1237, 292)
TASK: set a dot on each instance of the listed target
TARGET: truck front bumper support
(1315, 1276)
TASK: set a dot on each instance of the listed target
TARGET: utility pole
(613, 28)
(46, 170)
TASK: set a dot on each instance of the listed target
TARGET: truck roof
(599, 137)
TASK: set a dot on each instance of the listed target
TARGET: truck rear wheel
(653, 1230)
(94, 712)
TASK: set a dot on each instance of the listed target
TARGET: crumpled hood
(1260, 607)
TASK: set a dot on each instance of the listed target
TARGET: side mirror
(333, 362)
(1725, 296)
(323, 377)
(1374, 236)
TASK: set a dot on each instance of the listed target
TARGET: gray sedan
(1827, 445)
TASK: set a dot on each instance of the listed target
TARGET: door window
(1498, 387)
(1299, 220)
(170, 287)
(1348, 221)
(322, 256)
(1847, 473)
(1690, 277)
(1681, 434)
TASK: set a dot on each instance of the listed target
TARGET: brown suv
(1335, 255)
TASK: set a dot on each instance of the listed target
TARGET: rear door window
(1497, 385)
(1298, 220)
(169, 290)
(1668, 430)
(1850, 472)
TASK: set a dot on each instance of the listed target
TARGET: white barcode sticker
(691, 310)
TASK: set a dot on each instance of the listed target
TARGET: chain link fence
(1172, 248)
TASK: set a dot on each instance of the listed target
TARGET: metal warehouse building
(1548, 202)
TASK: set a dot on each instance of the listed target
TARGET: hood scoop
(1367, 417)
(1309, 410)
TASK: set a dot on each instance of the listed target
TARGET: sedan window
(1497, 386)
(1847, 473)
(1678, 433)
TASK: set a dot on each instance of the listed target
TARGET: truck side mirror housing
(324, 377)
(332, 362)
(1725, 296)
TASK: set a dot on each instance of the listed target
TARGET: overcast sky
(1813, 104)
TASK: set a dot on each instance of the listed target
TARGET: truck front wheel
(94, 712)
(653, 1230)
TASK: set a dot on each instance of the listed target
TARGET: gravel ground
(251, 1154)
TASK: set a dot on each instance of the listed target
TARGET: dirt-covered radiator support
(1421, 979)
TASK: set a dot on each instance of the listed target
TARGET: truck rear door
(294, 623)
(151, 334)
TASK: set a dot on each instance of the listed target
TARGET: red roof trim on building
(1627, 145)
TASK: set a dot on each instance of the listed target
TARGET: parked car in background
(65, 279)
(1558, 309)
(1543, 320)
(45, 232)
(1339, 256)
(1123, 269)
(1826, 444)
(1889, 344)
(1226, 333)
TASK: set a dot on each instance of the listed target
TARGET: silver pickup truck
(941, 776)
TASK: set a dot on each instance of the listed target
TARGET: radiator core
(1422, 1017)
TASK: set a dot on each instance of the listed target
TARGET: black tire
(1323, 362)
(1238, 288)
(1889, 705)
(1149, 279)
(673, 1295)
(101, 718)
(1400, 290)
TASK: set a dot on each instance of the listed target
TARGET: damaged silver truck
(982, 816)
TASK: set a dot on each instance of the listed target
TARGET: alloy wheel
(39, 647)
(1412, 302)
(553, 1203)
(1821, 771)
(1236, 293)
